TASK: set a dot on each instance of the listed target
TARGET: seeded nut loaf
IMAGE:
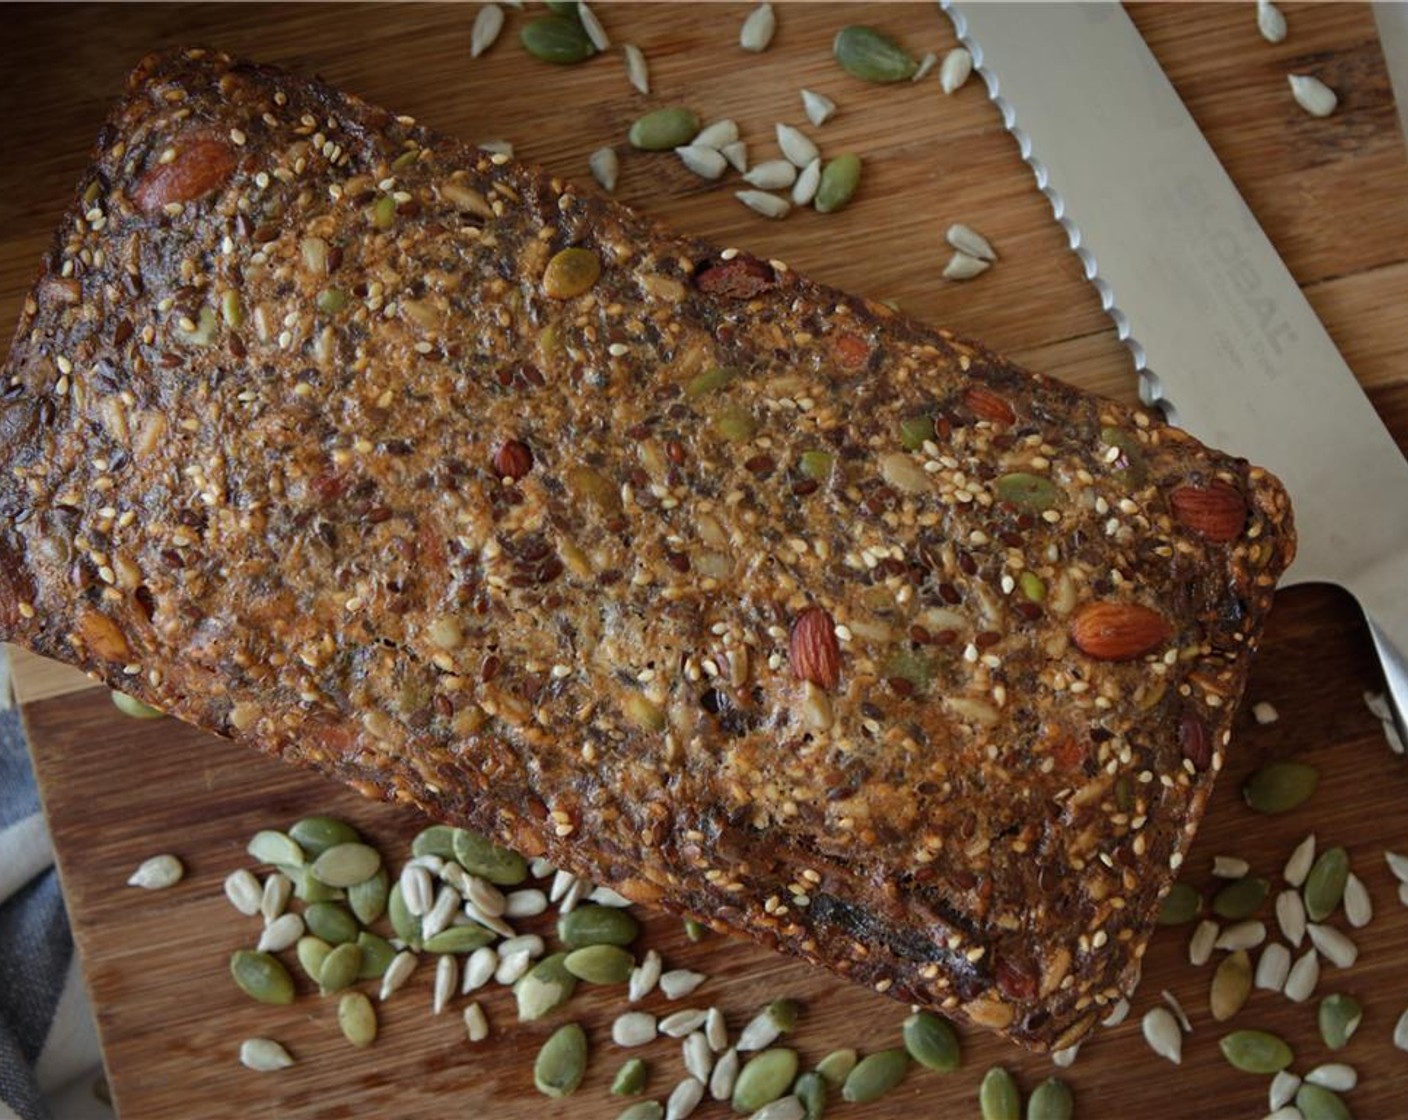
(750, 598)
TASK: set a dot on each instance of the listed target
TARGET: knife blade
(1223, 338)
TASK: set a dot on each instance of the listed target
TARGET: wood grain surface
(1333, 196)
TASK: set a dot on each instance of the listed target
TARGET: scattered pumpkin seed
(764, 1078)
(775, 1019)
(261, 976)
(1254, 1051)
(1182, 902)
(547, 986)
(998, 1096)
(269, 846)
(367, 899)
(562, 1062)
(1231, 985)
(571, 272)
(931, 1042)
(459, 939)
(405, 924)
(331, 921)
(758, 28)
(357, 1018)
(315, 835)
(557, 39)
(643, 1110)
(875, 1075)
(872, 56)
(264, 1055)
(1279, 787)
(437, 840)
(840, 178)
(331, 300)
(480, 856)
(1241, 898)
(312, 952)
(837, 1066)
(664, 129)
(273, 898)
(597, 925)
(377, 955)
(345, 865)
(157, 873)
(1315, 1101)
(1051, 1100)
(955, 71)
(600, 964)
(1324, 886)
(131, 706)
(630, 1078)
(383, 212)
(341, 968)
(1339, 1017)
(1027, 491)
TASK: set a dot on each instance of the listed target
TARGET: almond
(1118, 631)
(1216, 512)
(513, 459)
(200, 166)
(988, 405)
(813, 649)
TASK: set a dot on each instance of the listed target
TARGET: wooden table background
(1333, 196)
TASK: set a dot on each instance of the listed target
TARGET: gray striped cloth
(49, 1060)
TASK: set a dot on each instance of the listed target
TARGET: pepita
(480, 856)
(1028, 492)
(261, 976)
(315, 835)
(664, 129)
(437, 840)
(1241, 899)
(269, 846)
(931, 1042)
(459, 939)
(1314, 1101)
(264, 1055)
(875, 1075)
(1253, 1051)
(357, 1018)
(1051, 1100)
(1231, 985)
(837, 1066)
(998, 1096)
(1339, 1017)
(643, 1110)
(1324, 886)
(331, 921)
(765, 1078)
(630, 1078)
(872, 56)
(784, 1108)
(345, 865)
(1182, 902)
(556, 39)
(377, 955)
(840, 178)
(273, 898)
(367, 899)
(570, 273)
(600, 964)
(597, 925)
(810, 1090)
(777, 1018)
(1279, 787)
(562, 1062)
(340, 969)
(312, 952)
(306, 888)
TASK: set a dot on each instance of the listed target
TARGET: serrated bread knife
(1224, 340)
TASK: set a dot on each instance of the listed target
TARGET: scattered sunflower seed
(1400, 1032)
(562, 1062)
(1283, 1089)
(261, 976)
(340, 968)
(968, 240)
(1273, 967)
(956, 69)
(1230, 867)
(512, 966)
(931, 1042)
(1403, 893)
(1334, 1075)
(1231, 985)
(810, 1090)
(644, 977)
(1290, 916)
(771, 175)
(681, 1023)
(562, 882)
(1177, 1009)
(716, 135)
(644, 1110)
(442, 913)
(684, 1099)
(479, 967)
(1242, 935)
(1278, 787)
(796, 145)
(243, 891)
(758, 29)
(1333, 945)
(1256, 1051)
(737, 156)
(1317, 1103)
(488, 921)
(638, 72)
(545, 988)
(1313, 95)
(1358, 906)
(1065, 1057)
(592, 26)
(476, 1025)
(1298, 866)
(1117, 1014)
(1265, 713)
(634, 1028)
(397, 974)
(157, 873)
(872, 56)
(1304, 975)
(698, 1058)
(1051, 1100)
(725, 1074)
(764, 1079)
(679, 982)
(1270, 21)
(1398, 864)
(998, 1096)
(1324, 886)
(784, 1108)
(963, 267)
(818, 107)
(804, 190)
(926, 64)
(1162, 1033)
(1200, 945)
(707, 163)
(264, 1055)
(417, 890)
(768, 205)
(488, 22)
(447, 978)
(280, 934)
(531, 902)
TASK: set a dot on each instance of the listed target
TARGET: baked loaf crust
(755, 600)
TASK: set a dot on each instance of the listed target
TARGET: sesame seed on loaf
(749, 598)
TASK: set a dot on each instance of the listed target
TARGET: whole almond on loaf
(751, 599)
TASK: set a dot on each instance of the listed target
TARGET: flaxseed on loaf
(752, 599)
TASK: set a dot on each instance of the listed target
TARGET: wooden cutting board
(1333, 196)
